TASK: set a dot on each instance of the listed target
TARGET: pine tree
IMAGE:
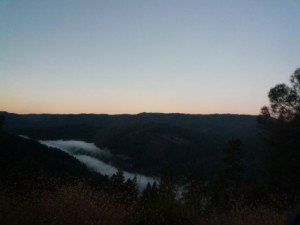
(149, 195)
(117, 181)
(167, 187)
(229, 179)
(131, 190)
(194, 189)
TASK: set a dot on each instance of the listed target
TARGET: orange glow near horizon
(68, 102)
(107, 57)
(24, 108)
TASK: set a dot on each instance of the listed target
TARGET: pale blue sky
(117, 56)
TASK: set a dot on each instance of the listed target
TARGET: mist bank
(89, 154)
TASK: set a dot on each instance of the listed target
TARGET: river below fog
(90, 155)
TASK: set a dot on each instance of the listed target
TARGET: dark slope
(23, 160)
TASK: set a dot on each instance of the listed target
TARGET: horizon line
(132, 114)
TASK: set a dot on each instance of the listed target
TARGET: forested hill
(148, 140)
(215, 124)
(24, 163)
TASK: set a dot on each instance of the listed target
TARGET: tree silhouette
(280, 126)
(229, 180)
(284, 100)
(131, 190)
(167, 188)
(149, 195)
(194, 189)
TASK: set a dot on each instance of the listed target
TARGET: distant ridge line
(124, 114)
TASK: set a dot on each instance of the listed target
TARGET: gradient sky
(117, 56)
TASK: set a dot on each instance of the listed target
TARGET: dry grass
(79, 205)
(74, 205)
(246, 216)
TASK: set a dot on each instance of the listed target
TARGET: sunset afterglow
(116, 57)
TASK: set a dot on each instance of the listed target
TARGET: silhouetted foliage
(149, 195)
(194, 189)
(131, 190)
(284, 100)
(122, 190)
(229, 179)
(167, 186)
(2, 119)
(280, 126)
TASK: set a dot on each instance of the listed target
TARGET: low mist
(86, 152)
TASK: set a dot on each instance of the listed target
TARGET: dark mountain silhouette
(147, 140)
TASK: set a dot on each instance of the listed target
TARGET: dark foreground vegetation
(78, 203)
(39, 185)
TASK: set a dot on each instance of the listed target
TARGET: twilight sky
(117, 56)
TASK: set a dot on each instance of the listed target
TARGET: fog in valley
(89, 154)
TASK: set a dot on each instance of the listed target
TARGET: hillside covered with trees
(148, 140)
